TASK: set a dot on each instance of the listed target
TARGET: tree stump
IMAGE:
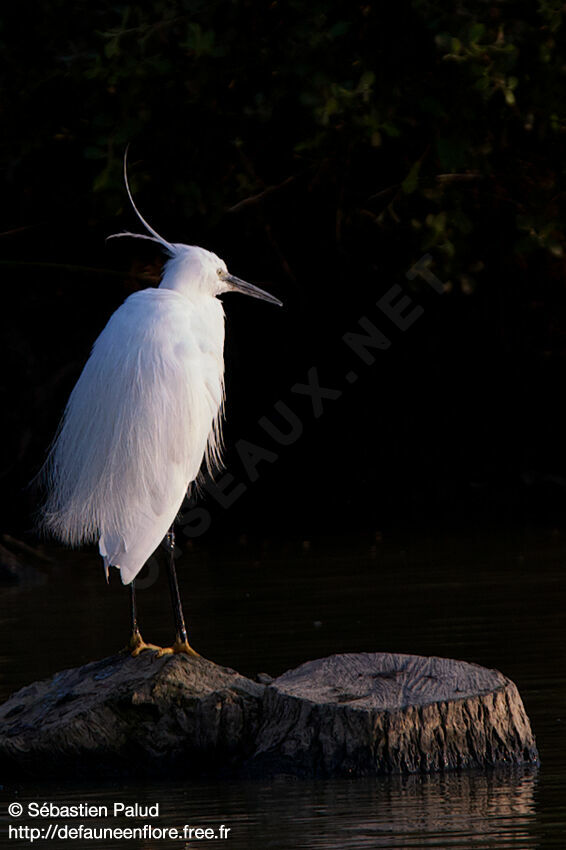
(124, 715)
(359, 714)
(372, 713)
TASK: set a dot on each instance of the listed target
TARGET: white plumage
(144, 413)
(138, 422)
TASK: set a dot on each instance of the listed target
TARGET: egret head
(196, 271)
(191, 270)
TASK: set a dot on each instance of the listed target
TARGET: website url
(64, 832)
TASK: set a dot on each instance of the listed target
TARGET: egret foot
(137, 644)
(178, 647)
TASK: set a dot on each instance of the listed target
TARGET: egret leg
(181, 642)
(137, 644)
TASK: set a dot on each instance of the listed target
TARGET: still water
(268, 605)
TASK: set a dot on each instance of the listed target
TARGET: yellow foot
(137, 644)
(178, 646)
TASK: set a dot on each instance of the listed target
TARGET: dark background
(321, 149)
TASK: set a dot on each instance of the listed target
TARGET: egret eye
(220, 272)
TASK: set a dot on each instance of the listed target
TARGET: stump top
(388, 681)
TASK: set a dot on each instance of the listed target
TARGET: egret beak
(238, 285)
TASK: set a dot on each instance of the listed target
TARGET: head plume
(154, 237)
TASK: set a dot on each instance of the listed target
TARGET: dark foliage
(322, 149)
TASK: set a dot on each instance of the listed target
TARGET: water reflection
(495, 810)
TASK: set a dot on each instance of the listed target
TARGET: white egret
(143, 415)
